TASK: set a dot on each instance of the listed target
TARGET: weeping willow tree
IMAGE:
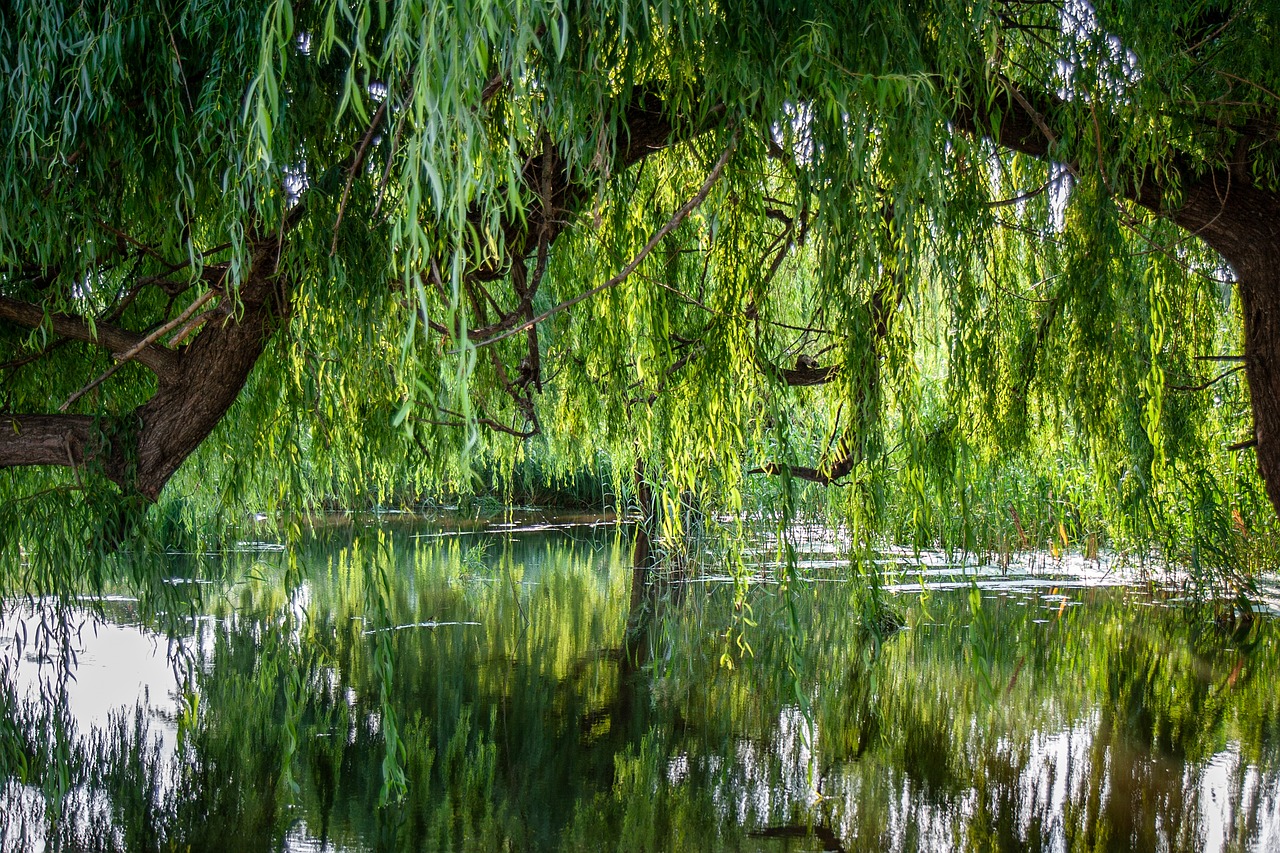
(262, 253)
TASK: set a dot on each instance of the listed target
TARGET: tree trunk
(1242, 223)
(1260, 298)
(195, 386)
(213, 369)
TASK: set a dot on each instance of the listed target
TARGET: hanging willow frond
(951, 251)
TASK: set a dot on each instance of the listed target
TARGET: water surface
(418, 686)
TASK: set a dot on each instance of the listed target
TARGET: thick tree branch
(825, 477)
(112, 338)
(44, 439)
(139, 348)
(214, 368)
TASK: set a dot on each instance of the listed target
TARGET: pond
(421, 685)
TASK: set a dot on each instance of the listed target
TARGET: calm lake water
(416, 686)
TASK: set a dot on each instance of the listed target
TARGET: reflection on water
(428, 688)
(114, 663)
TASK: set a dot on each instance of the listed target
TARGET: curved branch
(356, 162)
(825, 477)
(1209, 382)
(487, 422)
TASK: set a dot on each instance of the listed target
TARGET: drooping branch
(1217, 201)
(680, 215)
(357, 161)
(881, 309)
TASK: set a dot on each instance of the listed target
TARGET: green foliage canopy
(289, 251)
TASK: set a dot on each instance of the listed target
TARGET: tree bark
(44, 439)
(157, 359)
(1243, 225)
(214, 367)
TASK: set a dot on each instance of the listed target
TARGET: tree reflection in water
(534, 707)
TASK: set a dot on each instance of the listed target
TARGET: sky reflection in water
(1054, 709)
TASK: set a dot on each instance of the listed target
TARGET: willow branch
(1027, 196)
(1204, 385)
(374, 123)
(483, 421)
(194, 323)
(105, 335)
(138, 244)
(136, 350)
(673, 223)
(1256, 85)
